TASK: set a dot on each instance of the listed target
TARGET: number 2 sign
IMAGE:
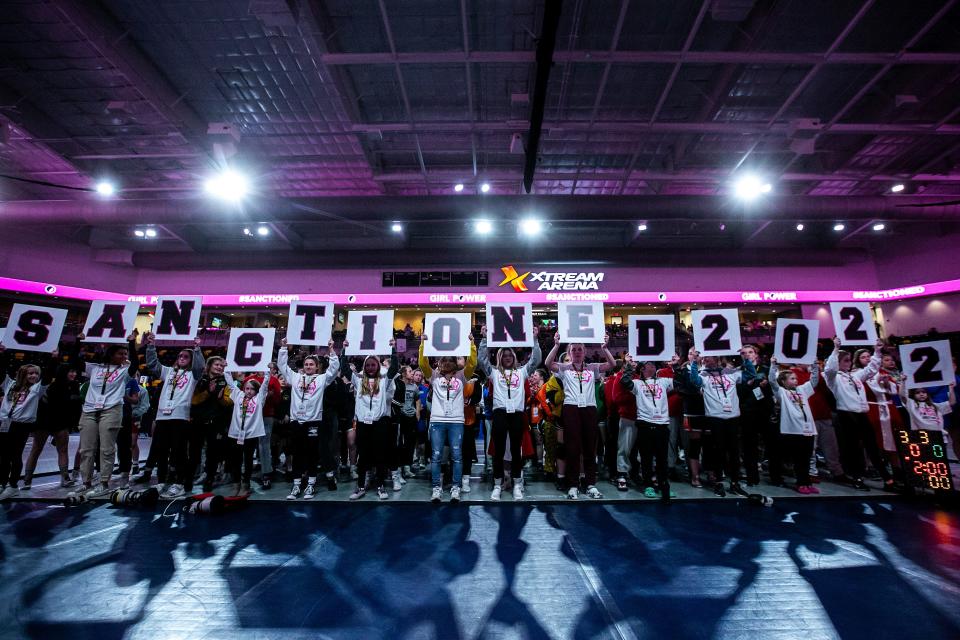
(716, 332)
(927, 364)
(853, 322)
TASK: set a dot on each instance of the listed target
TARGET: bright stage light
(396, 227)
(106, 188)
(750, 187)
(485, 187)
(458, 187)
(800, 227)
(228, 185)
(151, 233)
(261, 230)
(879, 226)
(839, 226)
(897, 188)
(641, 227)
(531, 226)
(483, 227)
(139, 233)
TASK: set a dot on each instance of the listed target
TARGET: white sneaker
(495, 494)
(310, 491)
(98, 490)
(294, 491)
(407, 472)
(436, 495)
(9, 492)
(382, 492)
(518, 490)
(173, 491)
(594, 493)
(358, 493)
(573, 493)
(397, 485)
(465, 484)
(68, 482)
(455, 494)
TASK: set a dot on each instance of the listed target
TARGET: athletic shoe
(813, 490)
(666, 495)
(68, 482)
(407, 472)
(174, 491)
(124, 480)
(396, 481)
(455, 494)
(860, 484)
(358, 493)
(718, 490)
(737, 489)
(27, 485)
(310, 491)
(9, 492)
(518, 490)
(144, 475)
(436, 495)
(594, 493)
(98, 491)
(573, 494)
(495, 494)
(649, 492)
(75, 476)
(400, 475)
(805, 490)
(134, 469)
(294, 491)
(621, 483)
(266, 483)
(465, 484)
(382, 492)
(332, 483)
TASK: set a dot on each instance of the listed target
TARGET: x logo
(515, 279)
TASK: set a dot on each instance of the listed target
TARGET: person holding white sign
(652, 427)
(797, 426)
(18, 415)
(722, 406)
(447, 383)
(246, 428)
(310, 430)
(509, 399)
(172, 428)
(923, 411)
(373, 390)
(883, 394)
(579, 382)
(854, 432)
(100, 421)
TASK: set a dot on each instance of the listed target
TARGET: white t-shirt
(447, 397)
(847, 387)
(795, 415)
(176, 395)
(306, 392)
(652, 399)
(509, 389)
(107, 386)
(579, 384)
(720, 398)
(925, 416)
(369, 408)
(23, 408)
(247, 419)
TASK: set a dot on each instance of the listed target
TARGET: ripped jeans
(438, 433)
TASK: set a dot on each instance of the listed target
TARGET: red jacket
(618, 398)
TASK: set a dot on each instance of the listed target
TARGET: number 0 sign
(796, 340)
(927, 364)
(853, 322)
(716, 332)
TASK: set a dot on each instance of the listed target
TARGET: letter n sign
(177, 318)
(509, 324)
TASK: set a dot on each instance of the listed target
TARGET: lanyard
(176, 381)
(243, 414)
(797, 399)
(579, 373)
(508, 380)
(852, 381)
(103, 388)
(449, 380)
(723, 383)
(304, 386)
(650, 390)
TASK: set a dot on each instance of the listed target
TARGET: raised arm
(550, 363)
(283, 362)
(153, 364)
(814, 375)
(483, 354)
(695, 378)
(199, 364)
(772, 376)
(471, 362)
(333, 362)
(626, 380)
(611, 362)
(536, 354)
(134, 356)
(394, 360)
(423, 360)
(873, 367)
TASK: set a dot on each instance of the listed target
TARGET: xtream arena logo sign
(552, 280)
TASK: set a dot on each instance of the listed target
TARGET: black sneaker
(665, 493)
(331, 483)
(860, 485)
(266, 483)
(622, 483)
(737, 489)
(718, 490)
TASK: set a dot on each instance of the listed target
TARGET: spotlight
(531, 226)
(139, 233)
(723, 227)
(396, 227)
(749, 187)
(263, 231)
(839, 226)
(458, 187)
(247, 232)
(105, 188)
(485, 187)
(228, 185)
(879, 226)
(800, 227)
(897, 188)
(483, 227)
(641, 227)
(151, 233)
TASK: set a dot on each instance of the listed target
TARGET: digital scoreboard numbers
(924, 456)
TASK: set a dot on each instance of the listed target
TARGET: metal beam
(464, 28)
(189, 236)
(691, 36)
(545, 50)
(286, 233)
(858, 229)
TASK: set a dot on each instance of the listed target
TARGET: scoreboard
(924, 457)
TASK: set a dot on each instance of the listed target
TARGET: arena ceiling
(349, 116)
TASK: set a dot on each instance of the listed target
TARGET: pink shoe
(813, 490)
(805, 490)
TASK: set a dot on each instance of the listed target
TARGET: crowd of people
(315, 419)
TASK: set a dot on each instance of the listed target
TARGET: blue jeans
(438, 432)
(266, 453)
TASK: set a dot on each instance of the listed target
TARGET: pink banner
(538, 297)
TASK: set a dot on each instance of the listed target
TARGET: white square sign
(796, 341)
(369, 333)
(509, 324)
(310, 323)
(651, 337)
(34, 328)
(448, 333)
(853, 322)
(716, 332)
(250, 349)
(580, 322)
(177, 317)
(110, 321)
(927, 364)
